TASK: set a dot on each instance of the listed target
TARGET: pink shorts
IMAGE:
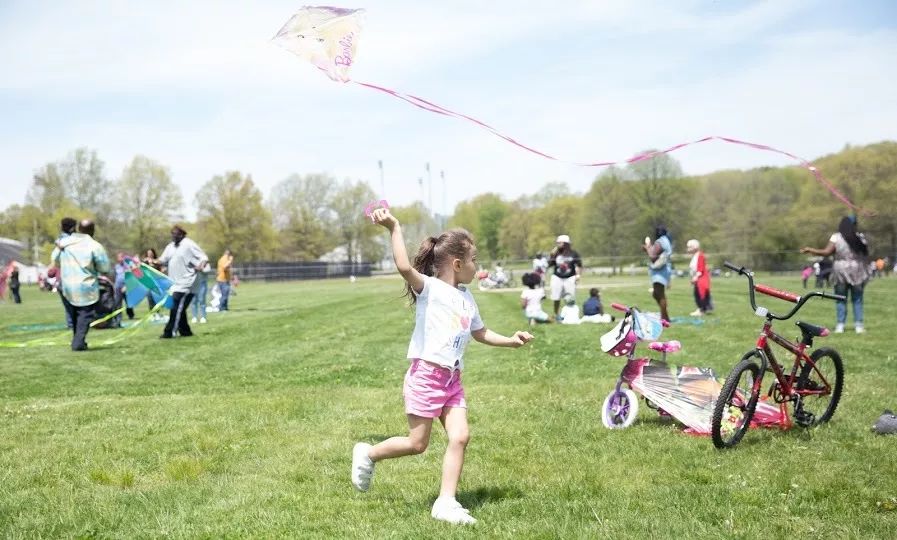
(430, 388)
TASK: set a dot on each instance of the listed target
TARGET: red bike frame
(786, 389)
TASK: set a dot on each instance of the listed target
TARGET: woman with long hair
(850, 271)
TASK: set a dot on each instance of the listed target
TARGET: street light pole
(382, 181)
(430, 188)
(444, 214)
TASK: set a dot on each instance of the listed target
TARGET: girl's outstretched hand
(382, 216)
(520, 338)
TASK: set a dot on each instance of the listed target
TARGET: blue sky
(199, 87)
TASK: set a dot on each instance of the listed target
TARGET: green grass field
(246, 429)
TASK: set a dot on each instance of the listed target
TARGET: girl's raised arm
(415, 279)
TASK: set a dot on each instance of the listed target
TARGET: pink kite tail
(439, 109)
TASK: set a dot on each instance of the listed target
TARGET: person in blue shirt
(659, 267)
(593, 306)
(120, 269)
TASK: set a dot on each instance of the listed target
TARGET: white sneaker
(451, 511)
(193, 320)
(362, 467)
(202, 320)
(696, 313)
(839, 328)
(860, 329)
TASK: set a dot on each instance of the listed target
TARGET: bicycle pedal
(804, 418)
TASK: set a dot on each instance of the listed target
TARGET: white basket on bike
(621, 339)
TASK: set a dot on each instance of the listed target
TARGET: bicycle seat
(665, 346)
(812, 330)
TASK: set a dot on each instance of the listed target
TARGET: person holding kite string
(446, 318)
(184, 258)
(850, 271)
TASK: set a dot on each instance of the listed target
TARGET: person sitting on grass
(593, 310)
(531, 299)
(446, 318)
(570, 312)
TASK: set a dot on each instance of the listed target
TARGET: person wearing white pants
(567, 271)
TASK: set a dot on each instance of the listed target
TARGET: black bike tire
(837, 387)
(728, 390)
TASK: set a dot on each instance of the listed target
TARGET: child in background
(446, 318)
(593, 310)
(531, 299)
(593, 305)
(805, 274)
(570, 312)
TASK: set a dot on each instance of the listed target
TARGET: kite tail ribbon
(439, 109)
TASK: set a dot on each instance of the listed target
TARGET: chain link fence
(282, 271)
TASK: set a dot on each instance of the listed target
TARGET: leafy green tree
(550, 192)
(867, 175)
(560, 215)
(607, 225)
(302, 207)
(356, 231)
(47, 190)
(417, 224)
(85, 182)
(483, 216)
(147, 203)
(654, 190)
(516, 232)
(231, 215)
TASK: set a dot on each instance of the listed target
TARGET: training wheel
(620, 409)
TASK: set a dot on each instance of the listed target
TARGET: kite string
(438, 109)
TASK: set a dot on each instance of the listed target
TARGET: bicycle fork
(764, 352)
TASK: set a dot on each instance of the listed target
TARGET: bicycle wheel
(736, 403)
(619, 409)
(820, 385)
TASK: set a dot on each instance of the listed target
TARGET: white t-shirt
(570, 315)
(444, 319)
(533, 299)
(183, 263)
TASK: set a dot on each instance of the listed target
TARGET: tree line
(759, 217)
(304, 218)
(763, 215)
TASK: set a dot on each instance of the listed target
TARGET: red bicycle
(813, 386)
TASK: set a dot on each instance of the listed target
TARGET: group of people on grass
(447, 318)
(567, 273)
(81, 266)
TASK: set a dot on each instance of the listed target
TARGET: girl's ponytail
(454, 243)
(424, 262)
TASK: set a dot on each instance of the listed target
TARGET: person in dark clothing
(567, 271)
(14, 286)
(593, 305)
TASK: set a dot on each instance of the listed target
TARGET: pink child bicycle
(685, 393)
(621, 405)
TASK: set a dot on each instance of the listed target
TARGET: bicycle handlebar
(627, 309)
(777, 293)
(734, 268)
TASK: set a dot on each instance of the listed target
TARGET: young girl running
(446, 318)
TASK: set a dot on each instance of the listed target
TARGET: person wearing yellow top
(223, 278)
